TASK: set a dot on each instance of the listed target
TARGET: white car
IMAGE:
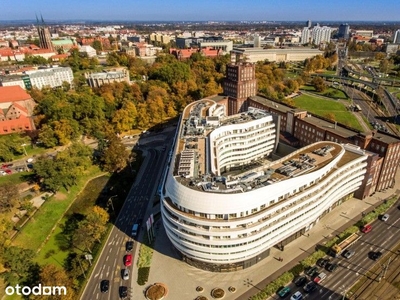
(125, 274)
(321, 276)
(2, 173)
(297, 296)
(385, 217)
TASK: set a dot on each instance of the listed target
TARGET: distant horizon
(202, 11)
(201, 21)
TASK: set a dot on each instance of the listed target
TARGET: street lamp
(23, 146)
(111, 202)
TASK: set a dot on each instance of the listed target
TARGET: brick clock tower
(240, 83)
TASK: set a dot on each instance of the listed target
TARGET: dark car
(331, 267)
(104, 286)
(322, 262)
(123, 291)
(375, 255)
(129, 246)
(312, 271)
(300, 281)
(310, 287)
(284, 292)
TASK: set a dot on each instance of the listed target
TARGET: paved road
(110, 262)
(383, 237)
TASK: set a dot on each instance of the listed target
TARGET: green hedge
(143, 275)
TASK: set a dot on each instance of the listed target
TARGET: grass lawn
(35, 232)
(15, 178)
(330, 92)
(322, 107)
(54, 250)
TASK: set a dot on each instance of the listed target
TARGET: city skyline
(207, 10)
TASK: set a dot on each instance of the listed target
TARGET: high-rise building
(240, 83)
(44, 35)
(321, 34)
(396, 37)
(308, 24)
(344, 31)
(305, 36)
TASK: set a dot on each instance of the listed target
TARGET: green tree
(115, 156)
(82, 238)
(53, 174)
(97, 46)
(17, 262)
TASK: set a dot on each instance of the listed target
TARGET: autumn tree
(319, 84)
(96, 221)
(50, 275)
(8, 197)
(330, 116)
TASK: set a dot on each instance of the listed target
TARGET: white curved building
(224, 205)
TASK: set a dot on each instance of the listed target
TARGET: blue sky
(203, 10)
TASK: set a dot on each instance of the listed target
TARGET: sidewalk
(182, 279)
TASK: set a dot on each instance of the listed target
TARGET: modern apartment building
(316, 35)
(224, 204)
(396, 37)
(50, 77)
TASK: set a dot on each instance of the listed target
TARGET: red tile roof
(13, 93)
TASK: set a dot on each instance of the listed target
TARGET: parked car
(331, 267)
(310, 287)
(123, 292)
(321, 276)
(129, 246)
(8, 171)
(2, 173)
(297, 296)
(128, 260)
(348, 253)
(284, 292)
(375, 255)
(312, 271)
(300, 281)
(125, 274)
(322, 262)
(104, 286)
(366, 228)
(385, 217)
